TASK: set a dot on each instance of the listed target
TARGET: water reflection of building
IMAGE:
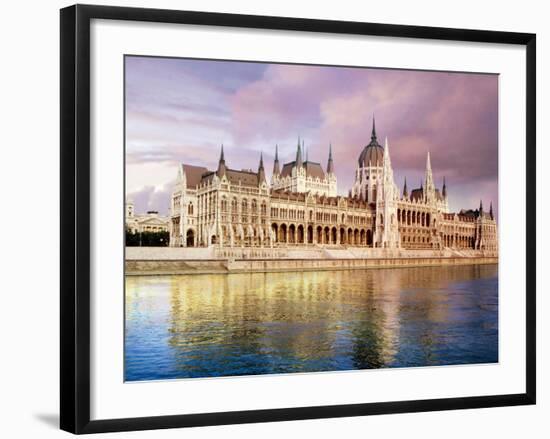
(300, 207)
(310, 318)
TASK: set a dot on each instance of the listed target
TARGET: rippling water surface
(246, 324)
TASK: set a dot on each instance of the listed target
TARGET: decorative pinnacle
(276, 169)
(373, 134)
(221, 164)
(330, 164)
(299, 162)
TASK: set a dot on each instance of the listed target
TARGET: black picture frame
(75, 217)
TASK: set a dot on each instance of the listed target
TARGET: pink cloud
(452, 115)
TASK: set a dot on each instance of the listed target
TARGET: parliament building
(300, 206)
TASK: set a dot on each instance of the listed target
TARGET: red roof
(313, 169)
(193, 174)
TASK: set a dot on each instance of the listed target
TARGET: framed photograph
(268, 218)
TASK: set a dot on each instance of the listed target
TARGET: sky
(183, 110)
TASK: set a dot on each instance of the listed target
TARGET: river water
(246, 324)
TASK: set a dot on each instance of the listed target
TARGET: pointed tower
(405, 191)
(261, 170)
(221, 165)
(299, 162)
(387, 231)
(429, 193)
(298, 178)
(369, 168)
(129, 207)
(443, 202)
(491, 210)
(480, 238)
(387, 159)
(276, 168)
(330, 163)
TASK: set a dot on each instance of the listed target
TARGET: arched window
(190, 209)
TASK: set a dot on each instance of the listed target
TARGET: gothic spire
(261, 171)
(480, 207)
(330, 164)
(444, 190)
(299, 162)
(491, 210)
(373, 134)
(387, 152)
(405, 191)
(221, 164)
(276, 170)
(430, 187)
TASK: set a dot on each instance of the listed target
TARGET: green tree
(147, 239)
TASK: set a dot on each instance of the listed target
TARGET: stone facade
(304, 176)
(228, 208)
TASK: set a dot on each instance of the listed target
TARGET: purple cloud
(151, 198)
(182, 110)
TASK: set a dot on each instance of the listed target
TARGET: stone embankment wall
(157, 261)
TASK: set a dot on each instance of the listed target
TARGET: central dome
(372, 154)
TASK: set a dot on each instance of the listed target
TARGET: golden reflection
(300, 316)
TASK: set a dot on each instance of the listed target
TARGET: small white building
(148, 222)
